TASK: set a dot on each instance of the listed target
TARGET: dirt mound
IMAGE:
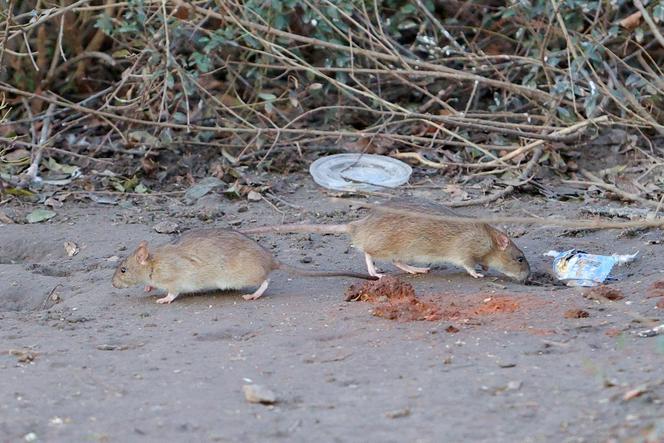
(603, 292)
(656, 289)
(396, 300)
(503, 305)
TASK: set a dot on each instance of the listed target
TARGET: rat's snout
(120, 277)
(515, 266)
(524, 271)
(117, 283)
(522, 277)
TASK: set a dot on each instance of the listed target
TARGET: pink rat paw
(475, 274)
(168, 299)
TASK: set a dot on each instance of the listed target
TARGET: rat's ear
(502, 240)
(142, 253)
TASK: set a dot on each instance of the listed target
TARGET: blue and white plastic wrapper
(578, 268)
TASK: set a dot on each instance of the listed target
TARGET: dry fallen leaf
(53, 203)
(631, 21)
(17, 156)
(23, 355)
(456, 192)
(370, 145)
(4, 218)
(71, 248)
(182, 12)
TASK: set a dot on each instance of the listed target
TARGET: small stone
(254, 196)
(166, 227)
(514, 386)
(259, 394)
(399, 413)
(30, 436)
(243, 208)
(306, 259)
(506, 365)
(108, 347)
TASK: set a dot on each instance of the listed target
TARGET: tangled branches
(489, 87)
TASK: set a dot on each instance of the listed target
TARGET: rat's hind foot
(258, 291)
(410, 269)
(169, 298)
(371, 269)
(147, 288)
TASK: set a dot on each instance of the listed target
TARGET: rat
(408, 238)
(206, 259)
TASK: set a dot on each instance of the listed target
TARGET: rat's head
(134, 269)
(505, 257)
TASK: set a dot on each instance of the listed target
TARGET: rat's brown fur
(411, 238)
(203, 260)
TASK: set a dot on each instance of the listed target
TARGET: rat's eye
(123, 269)
(520, 259)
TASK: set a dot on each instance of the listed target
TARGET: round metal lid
(359, 172)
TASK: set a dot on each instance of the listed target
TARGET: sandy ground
(82, 361)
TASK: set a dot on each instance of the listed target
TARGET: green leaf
(141, 189)
(266, 96)
(122, 53)
(639, 34)
(57, 167)
(18, 192)
(408, 8)
(565, 115)
(117, 185)
(180, 117)
(104, 23)
(658, 12)
(40, 215)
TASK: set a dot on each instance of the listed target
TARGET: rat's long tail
(294, 227)
(304, 272)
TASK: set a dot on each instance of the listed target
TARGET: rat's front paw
(169, 298)
(474, 273)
